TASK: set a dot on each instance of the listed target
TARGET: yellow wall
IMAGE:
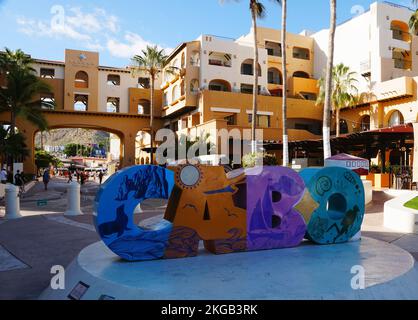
(73, 64)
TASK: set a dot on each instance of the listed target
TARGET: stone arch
(275, 76)
(81, 79)
(124, 126)
(394, 118)
(220, 85)
(247, 67)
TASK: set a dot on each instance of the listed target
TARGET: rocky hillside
(61, 137)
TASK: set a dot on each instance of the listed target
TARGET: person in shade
(3, 176)
(46, 178)
(101, 176)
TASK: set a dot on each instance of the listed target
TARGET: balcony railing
(401, 35)
(216, 62)
(403, 64)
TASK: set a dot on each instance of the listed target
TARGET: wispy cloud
(132, 44)
(96, 30)
(32, 27)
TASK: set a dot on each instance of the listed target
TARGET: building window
(396, 119)
(144, 83)
(301, 74)
(263, 121)
(47, 73)
(219, 85)
(194, 86)
(220, 59)
(365, 123)
(113, 80)
(402, 59)
(301, 53)
(81, 102)
(247, 68)
(248, 88)
(112, 105)
(195, 59)
(231, 120)
(81, 80)
(48, 101)
(175, 94)
(165, 99)
(274, 76)
(343, 126)
(400, 31)
(274, 49)
(144, 107)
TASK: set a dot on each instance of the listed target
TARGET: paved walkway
(30, 246)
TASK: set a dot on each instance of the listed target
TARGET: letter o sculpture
(339, 194)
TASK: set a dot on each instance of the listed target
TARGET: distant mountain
(61, 137)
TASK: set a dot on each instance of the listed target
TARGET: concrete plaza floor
(30, 246)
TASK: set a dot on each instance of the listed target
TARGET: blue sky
(117, 29)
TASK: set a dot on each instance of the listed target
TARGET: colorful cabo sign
(257, 209)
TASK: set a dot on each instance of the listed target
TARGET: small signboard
(42, 203)
(79, 291)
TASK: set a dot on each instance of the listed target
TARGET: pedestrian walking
(3, 176)
(70, 177)
(46, 178)
(18, 180)
(101, 177)
(23, 178)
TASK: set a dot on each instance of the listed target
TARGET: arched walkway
(125, 126)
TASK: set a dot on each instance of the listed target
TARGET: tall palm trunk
(328, 82)
(255, 88)
(337, 120)
(284, 104)
(151, 119)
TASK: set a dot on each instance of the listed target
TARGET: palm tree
(284, 73)
(20, 98)
(413, 23)
(328, 82)
(15, 59)
(344, 91)
(258, 11)
(151, 61)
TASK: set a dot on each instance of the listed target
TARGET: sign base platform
(306, 272)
